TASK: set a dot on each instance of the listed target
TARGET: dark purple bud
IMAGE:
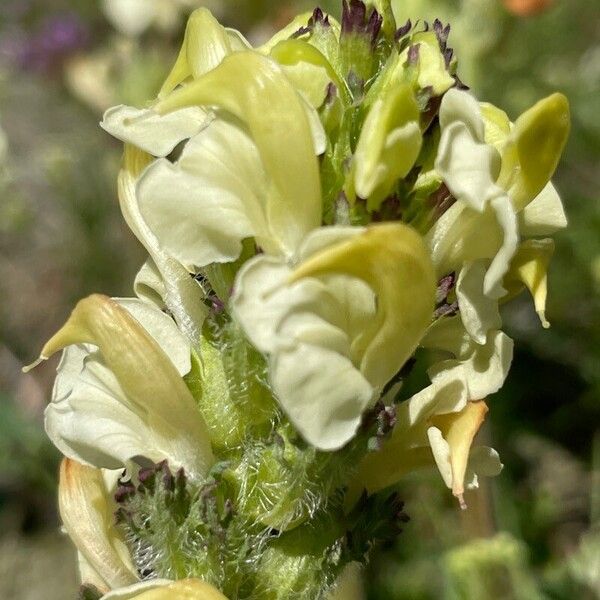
(302, 31)
(353, 15)
(448, 54)
(216, 304)
(355, 20)
(446, 310)
(147, 478)
(445, 284)
(374, 25)
(413, 55)
(331, 93)
(124, 491)
(168, 480)
(442, 199)
(402, 31)
(386, 420)
(319, 18)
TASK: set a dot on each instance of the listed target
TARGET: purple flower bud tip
(413, 54)
(355, 20)
(402, 31)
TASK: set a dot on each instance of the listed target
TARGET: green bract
(319, 213)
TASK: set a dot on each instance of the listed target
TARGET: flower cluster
(326, 216)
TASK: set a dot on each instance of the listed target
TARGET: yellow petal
(534, 149)
(529, 267)
(393, 260)
(146, 375)
(459, 430)
(295, 52)
(254, 89)
(388, 146)
(205, 44)
(88, 518)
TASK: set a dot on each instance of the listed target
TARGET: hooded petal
(219, 179)
(320, 325)
(87, 513)
(149, 285)
(205, 44)
(462, 235)
(470, 167)
(306, 67)
(388, 146)
(394, 262)
(533, 149)
(128, 398)
(507, 222)
(266, 102)
(307, 329)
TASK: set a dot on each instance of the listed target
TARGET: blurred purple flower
(56, 38)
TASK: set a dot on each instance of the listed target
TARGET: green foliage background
(532, 533)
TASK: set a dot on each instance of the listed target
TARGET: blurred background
(533, 532)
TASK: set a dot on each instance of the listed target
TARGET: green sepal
(227, 380)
